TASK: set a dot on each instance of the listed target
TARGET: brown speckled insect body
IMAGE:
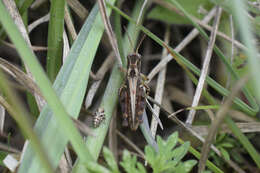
(99, 117)
(132, 93)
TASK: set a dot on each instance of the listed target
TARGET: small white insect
(99, 117)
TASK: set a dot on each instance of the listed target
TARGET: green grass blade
(70, 85)
(61, 116)
(242, 105)
(55, 41)
(239, 11)
(15, 108)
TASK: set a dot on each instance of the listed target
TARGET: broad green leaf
(150, 154)
(70, 85)
(188, 165)
(161, 144)
(172, 141)
(185, 167)
(180, 152)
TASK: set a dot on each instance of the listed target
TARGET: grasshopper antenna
(142, 39)
(130, 41)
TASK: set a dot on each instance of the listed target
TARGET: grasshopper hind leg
(123, 96)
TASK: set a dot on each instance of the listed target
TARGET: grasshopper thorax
(134, 64)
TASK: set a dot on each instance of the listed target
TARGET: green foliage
(224, 144)
(229, 148)
(130, 163)
(167, 159)
(110, 160)
(169, 16)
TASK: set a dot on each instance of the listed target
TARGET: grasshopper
(132, 93)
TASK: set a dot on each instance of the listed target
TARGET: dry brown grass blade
(31, 86)
(157, 119)
(34, 48)
(66, 46)
(204, 71)
(218, 120)
(8, 148)
(69, 24)
(13, 11)
(180, 46)
(166, 103)
(79, 9)
(107, 64)
(228, 82)
(112, 140)
(2, 119)
(82, 127)
(250, 127)
(141, 13)
(20, 76)
(160, 87)
(63, 165)
(109, 31)
(39, 21)
(37, 3)
(68, 157)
